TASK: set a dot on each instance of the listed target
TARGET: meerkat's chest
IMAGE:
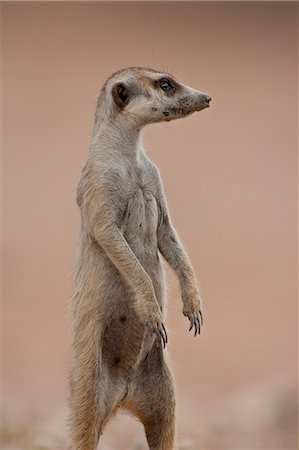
(140, 220)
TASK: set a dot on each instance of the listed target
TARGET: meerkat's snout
(185, 102)
(195, 100)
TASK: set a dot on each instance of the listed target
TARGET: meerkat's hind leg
(152, 400)
(90, 411)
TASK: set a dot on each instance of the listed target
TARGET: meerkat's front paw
(148, 310)
(152, 319)
(155, 324)
(192, 310)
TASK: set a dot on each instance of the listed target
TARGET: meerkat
(118, 305)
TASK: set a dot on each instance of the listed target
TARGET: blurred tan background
(236, 164)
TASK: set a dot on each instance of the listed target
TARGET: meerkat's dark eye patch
(120, 94)
(167, 85)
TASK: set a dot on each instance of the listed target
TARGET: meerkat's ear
(120, 94)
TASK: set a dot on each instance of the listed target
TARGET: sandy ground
(257, 419)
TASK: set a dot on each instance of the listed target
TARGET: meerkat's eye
(166, 85)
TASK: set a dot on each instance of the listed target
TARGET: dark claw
(165, 332)
(161, 334)
(191, 322)
(197, 327)
(201, 318)
(198, 319)
(163, 338)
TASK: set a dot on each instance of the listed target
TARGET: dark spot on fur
(123, 318)
(166, 113)
(124, 213)
(117, 360)
(154, 109)
(161, 308)
(165, 220)
(140, 225)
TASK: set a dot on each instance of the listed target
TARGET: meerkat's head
(148, 96)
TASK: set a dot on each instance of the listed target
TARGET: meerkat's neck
(122, 136)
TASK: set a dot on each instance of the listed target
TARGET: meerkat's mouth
(201, 107)
(175, 113)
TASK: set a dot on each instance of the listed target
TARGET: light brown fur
(118, 303)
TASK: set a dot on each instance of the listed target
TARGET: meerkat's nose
(207, 100)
